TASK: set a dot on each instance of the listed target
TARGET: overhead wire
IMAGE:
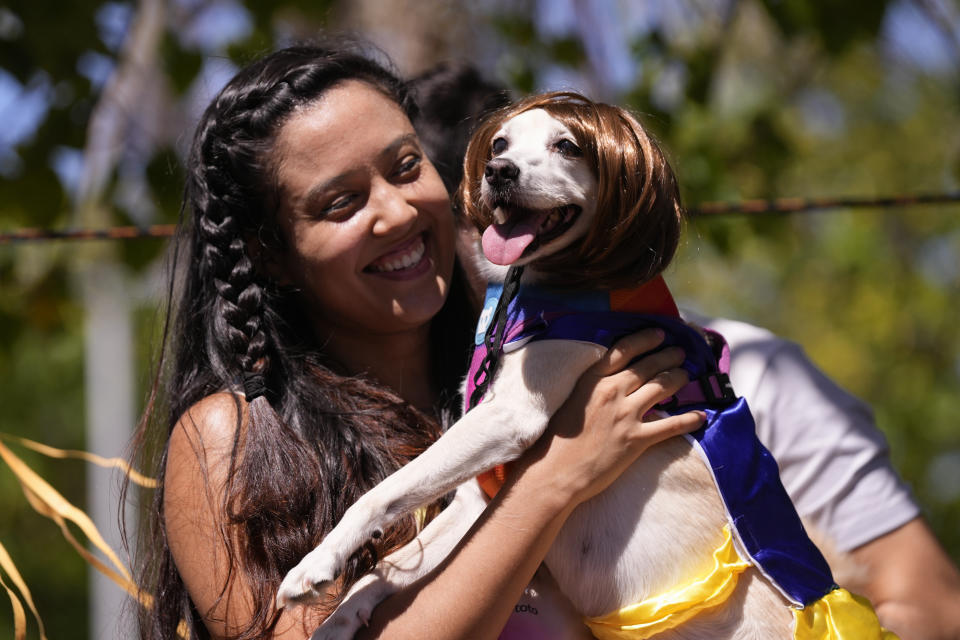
(775, 206)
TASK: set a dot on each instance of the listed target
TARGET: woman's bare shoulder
(208, 428)
(201, 447)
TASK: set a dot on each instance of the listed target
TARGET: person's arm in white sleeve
(835, 465)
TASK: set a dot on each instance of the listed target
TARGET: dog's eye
(568, 148)
(499, 146)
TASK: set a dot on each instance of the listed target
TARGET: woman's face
(365, 215)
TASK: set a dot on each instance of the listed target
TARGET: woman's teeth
(403, 261)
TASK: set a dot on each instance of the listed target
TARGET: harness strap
(712, 389)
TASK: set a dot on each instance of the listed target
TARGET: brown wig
(639, 215)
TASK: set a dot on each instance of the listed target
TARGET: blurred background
(754, 99)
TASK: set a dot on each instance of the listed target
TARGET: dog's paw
(310, 580)
(355, 611)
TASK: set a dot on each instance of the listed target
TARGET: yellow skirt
(839, 615)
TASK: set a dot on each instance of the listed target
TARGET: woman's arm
(194, 481)
(595, 436)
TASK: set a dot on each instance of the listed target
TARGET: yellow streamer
(421, 515)
(48, 502)
(668, 610)
(6, 562)
(839, 615)
(56, 507)
(107, 463)
(19, 616)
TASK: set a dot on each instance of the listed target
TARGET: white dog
(579, 194)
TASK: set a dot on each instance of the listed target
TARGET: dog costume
(763, 528)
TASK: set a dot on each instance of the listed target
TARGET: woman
(320, 334)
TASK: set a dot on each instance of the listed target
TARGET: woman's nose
(392, 210)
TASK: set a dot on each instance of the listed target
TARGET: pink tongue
(503, 244)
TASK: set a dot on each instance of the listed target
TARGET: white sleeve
(834, 461)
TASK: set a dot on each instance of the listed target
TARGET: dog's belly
(651, 531)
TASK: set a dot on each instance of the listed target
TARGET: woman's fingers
(648, 368)
(601, 429)
(659, 387)
(651, 432)
(620, 355)
(634, 380)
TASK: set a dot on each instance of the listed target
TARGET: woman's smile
(406, 261)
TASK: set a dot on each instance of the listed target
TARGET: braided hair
(314, 438)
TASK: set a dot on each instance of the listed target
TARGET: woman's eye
(568, 148)
(339, 206)
(408, 166)
(499, 146)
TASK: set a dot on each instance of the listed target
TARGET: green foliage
(838, 24)
(165, 176)
(181, 65)
(45, 53)
(50, 40)
(41, 364)
(567, 51)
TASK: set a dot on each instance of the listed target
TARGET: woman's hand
(604, 425)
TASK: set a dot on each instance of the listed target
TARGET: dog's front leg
(406, 565)
(471, 446)
(532, 383)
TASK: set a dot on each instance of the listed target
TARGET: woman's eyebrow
(388, 151)
(394, 147)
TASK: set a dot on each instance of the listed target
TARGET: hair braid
(222, 196)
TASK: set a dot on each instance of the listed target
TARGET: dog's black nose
(500, 171)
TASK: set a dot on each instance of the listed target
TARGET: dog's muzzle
(501, 175)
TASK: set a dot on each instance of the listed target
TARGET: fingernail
(659, 334)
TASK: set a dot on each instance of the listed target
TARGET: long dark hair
(314, 438)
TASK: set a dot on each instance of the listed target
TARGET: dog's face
(576, 190)
(539, 186)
